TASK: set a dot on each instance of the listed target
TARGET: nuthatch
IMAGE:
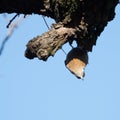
(76, 61)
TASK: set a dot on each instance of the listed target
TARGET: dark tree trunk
(79, 20)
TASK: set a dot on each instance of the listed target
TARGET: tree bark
(25, 7)
(48, 43)
(79, 20)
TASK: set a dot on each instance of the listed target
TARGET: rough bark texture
(79, 20)
(48, 43)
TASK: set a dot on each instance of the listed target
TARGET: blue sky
(37, 90)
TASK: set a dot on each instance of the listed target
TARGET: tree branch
(26, 7)
(82, 21)
(11, 29)
(48, 43)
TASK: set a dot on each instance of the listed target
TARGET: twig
(3, 44)
(45, 22)
(11, 20)
(10, 32)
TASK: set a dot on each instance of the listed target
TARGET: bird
(76, 61)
